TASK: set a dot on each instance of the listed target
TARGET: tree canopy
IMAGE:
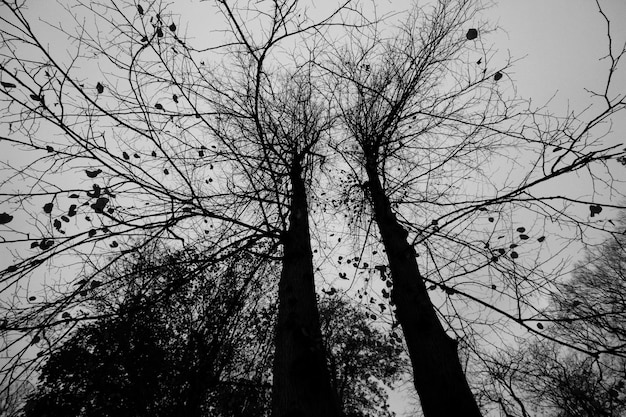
(387, 158)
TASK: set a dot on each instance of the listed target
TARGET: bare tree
(543, 378)
(217, 156)
(147, 135)
(426, 116)
(584, 375)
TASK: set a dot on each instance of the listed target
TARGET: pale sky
(562, 40)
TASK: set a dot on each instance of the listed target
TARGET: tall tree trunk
(437, 372)
(302, 385)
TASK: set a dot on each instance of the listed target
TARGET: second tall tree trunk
(438, 375)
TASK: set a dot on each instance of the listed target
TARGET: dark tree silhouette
(203, 350)
(270, 133)
(153, 136)
(159, 351)
(422, 122)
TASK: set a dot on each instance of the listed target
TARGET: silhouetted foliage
(388, 158)
(208, 342)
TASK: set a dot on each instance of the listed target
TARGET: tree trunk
(301, 385)
(437, 372)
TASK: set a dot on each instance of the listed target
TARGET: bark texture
(438, 375)
(302, 384)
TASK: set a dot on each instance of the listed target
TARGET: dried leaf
(5, 218)
(595, 209)
(99, 205)
(93, 174)
(471, 34)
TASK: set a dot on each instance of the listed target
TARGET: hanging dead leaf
(94, 173)
(96, 191)
(471, 34)
(99, 205)
(5, 218)
(595, 209)
(46, 244)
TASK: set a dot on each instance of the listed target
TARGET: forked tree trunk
(438, 376)
(301, 385)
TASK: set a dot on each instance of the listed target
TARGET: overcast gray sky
(562, 40)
